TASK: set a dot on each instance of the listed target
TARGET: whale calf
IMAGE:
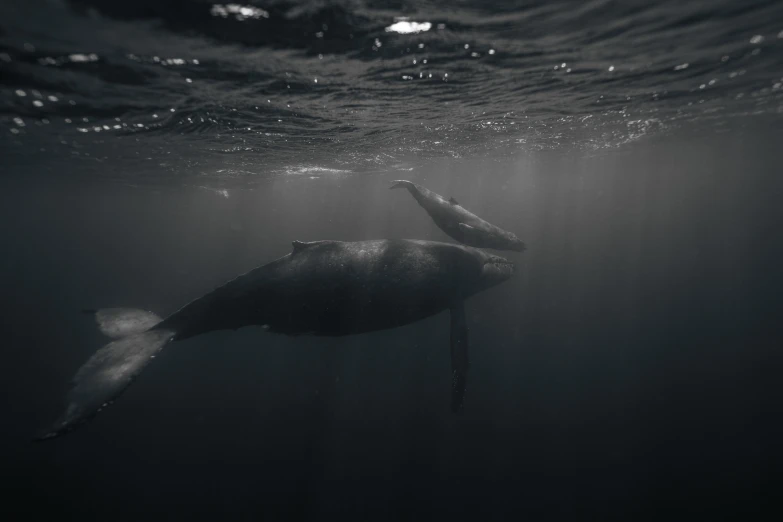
(326, 288)
(458, 223)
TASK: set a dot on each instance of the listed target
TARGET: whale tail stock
(111, 369)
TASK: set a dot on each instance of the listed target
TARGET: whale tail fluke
(111, 369)
(401, 183)
(121, 322)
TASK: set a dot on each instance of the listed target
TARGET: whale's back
(340, 288)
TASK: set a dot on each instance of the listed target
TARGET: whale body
(324, 288)
(458, 223)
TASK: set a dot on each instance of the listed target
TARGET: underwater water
(152, 150)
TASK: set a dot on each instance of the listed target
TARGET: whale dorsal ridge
(453, 201)
(301, 245)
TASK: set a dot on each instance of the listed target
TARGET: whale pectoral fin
(468, 230)
(453, 201)
(105, 376)
(459, 356)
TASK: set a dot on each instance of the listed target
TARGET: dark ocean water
(151, 150)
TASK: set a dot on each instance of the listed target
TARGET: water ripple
(360, 83)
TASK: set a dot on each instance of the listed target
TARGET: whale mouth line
(500, 265)
(497, 260)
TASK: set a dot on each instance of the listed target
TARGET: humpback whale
(458, 223)
(325, 288)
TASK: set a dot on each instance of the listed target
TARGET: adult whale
(458, 223)
(327, 288)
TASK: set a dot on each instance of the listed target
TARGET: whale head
(503, 240)
(514, 243)
(494, 270)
